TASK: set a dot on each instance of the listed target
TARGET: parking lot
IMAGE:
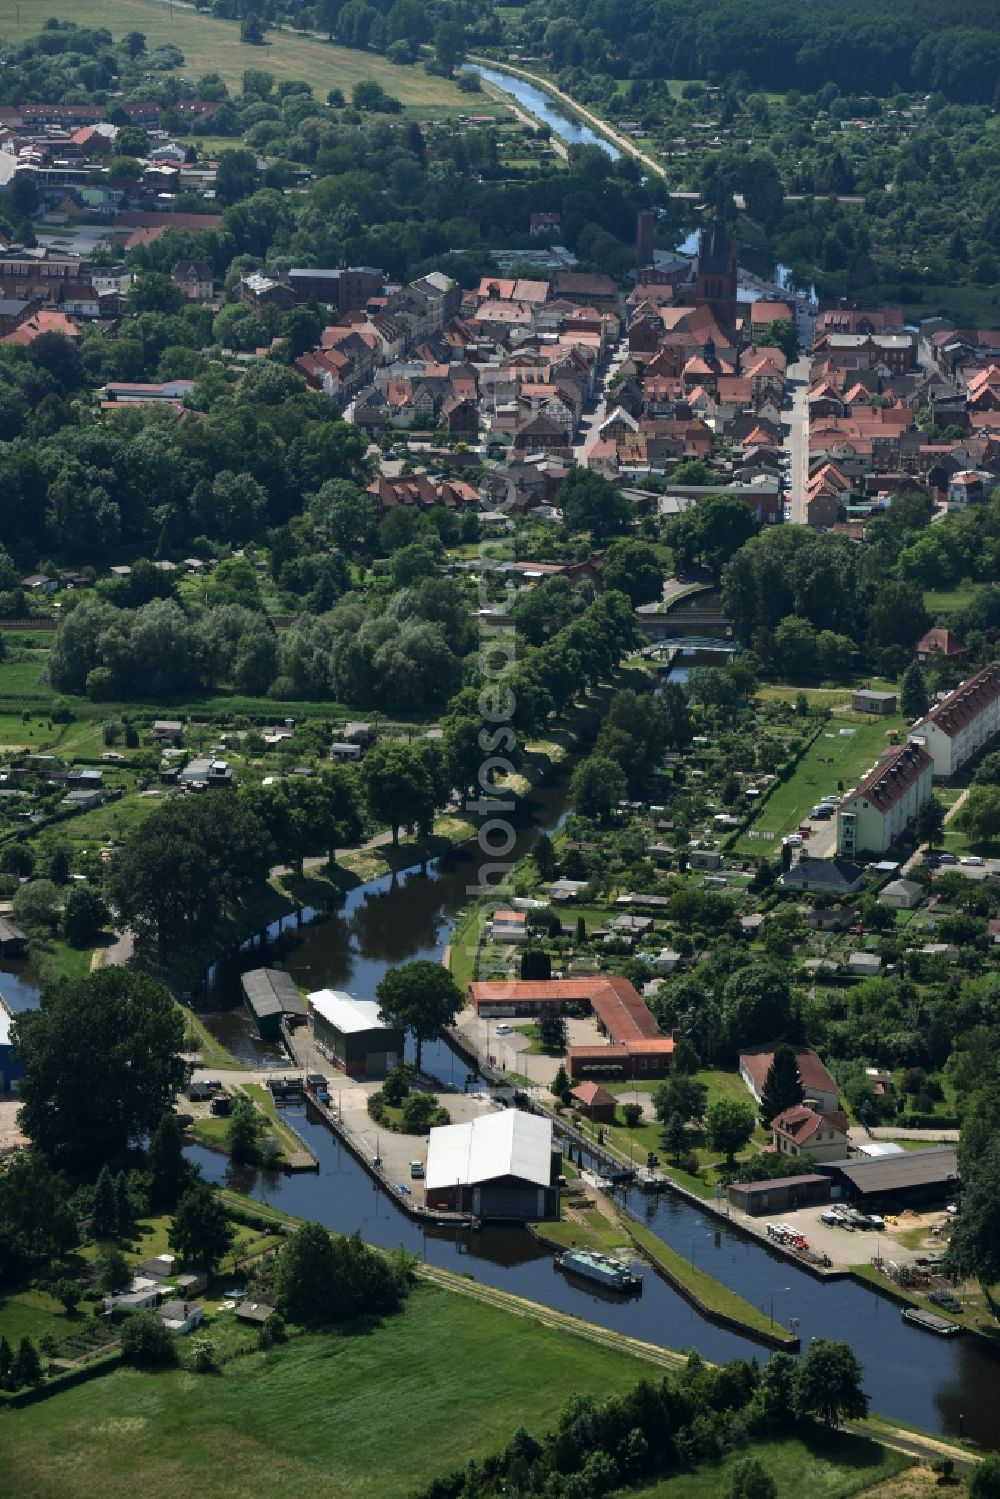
(843, 1247)
(397, 1151)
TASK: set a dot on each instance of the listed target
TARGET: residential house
(821, 1091)
(901, 895)
(181, 1317)
(834, 876)
(802, 1131)
(940, 643)
(195, 279)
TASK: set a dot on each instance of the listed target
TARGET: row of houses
(866, 389)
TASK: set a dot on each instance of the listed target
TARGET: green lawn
(210, 45)
(947, 601)
(371, 1416)
(824, 1465)
(34, 1314)
(836, 756)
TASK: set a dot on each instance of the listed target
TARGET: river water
(575, 132)
(567, 127)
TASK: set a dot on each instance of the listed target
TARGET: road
(591, 421)
(796, 440)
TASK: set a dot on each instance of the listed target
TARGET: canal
(542, 105)
(910, 1375)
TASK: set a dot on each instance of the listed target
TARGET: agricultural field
(370, 1417)
(213, 46)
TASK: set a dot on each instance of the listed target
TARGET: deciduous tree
(102, 1063)
(828, 1383)
(730, 1126)
(420, 997)
(201, 1233)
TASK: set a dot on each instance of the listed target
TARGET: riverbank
(606, 1228)
(621, 143)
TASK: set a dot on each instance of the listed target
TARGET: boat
(602, 1268)
(931, 1322)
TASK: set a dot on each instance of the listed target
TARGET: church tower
(715, 272)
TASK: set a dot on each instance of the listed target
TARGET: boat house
(499, 1167)
(354, 1034)
(271, 995)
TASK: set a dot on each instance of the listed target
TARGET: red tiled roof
(801, 1123)
(590, 1093)
(812, 1074)
(943, 640)
(895, 773)
(623, 1013)
(968, 700)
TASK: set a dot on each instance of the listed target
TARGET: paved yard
(10, 1135)
(511, 1051)
(397, 1151)
(843, 1247)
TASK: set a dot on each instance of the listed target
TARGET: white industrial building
(353, 1033)
(962, 724)
(496, 1166)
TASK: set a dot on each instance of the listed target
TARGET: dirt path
(914, 1444)
(546, 1316)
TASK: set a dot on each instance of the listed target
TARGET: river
(542, 105)
(910, 1375)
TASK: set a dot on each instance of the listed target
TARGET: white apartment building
(872, 816)
(963, 723)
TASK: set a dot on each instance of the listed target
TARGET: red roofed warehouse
(636, 1049)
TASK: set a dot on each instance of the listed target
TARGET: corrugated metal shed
(271, 991)
(912, 1168)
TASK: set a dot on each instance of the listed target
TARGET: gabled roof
(490, 1146)
(897, 770)
(813, 1075)
(801, 1124)
(968, 700)
(590, 1094)
(942, 640)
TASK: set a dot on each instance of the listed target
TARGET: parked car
(972, 861)
(505, 1030)
(947, 859)
(416, 1170)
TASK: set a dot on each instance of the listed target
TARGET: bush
(395, 1088)
(421, 1111)
(147, 1343)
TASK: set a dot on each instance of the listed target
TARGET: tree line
(687, 1420)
